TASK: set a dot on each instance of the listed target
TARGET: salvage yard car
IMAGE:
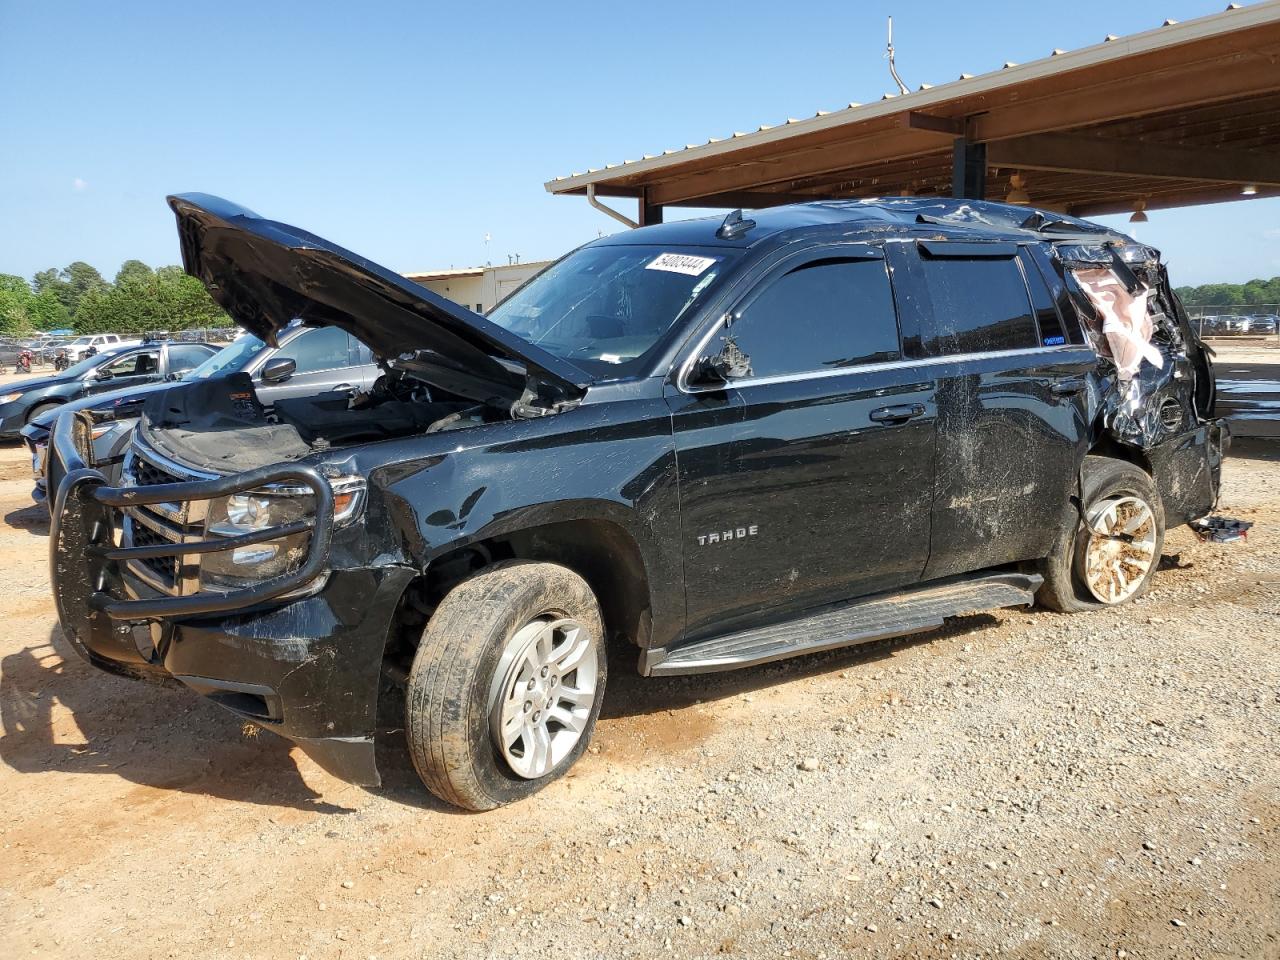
(722, 442)
(115, 368)
(325, 364)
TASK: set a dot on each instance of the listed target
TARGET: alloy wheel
(543, 692)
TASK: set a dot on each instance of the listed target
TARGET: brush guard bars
(86, 564)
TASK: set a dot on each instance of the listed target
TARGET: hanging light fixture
(1017, 190)
(1139, 212)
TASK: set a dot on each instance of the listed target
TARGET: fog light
(258, 553)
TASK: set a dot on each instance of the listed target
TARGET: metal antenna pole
(893, 69)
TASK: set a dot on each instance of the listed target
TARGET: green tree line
(78, 297)
(1232, 294)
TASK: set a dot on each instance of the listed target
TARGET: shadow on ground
(154, 736)
(1266, 449)
(33, 519)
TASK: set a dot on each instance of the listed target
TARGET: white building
(478, 288)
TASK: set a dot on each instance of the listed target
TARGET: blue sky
(407, 131)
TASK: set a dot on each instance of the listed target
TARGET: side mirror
(103, 373)
(277, 369)
(729, 364)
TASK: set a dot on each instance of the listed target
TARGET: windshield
(227, 360)
(604, 308)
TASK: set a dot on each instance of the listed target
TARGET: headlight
(257, 510)
(10, 397)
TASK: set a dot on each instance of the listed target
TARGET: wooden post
(968, 170)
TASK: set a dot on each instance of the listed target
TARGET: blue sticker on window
(1054, 341)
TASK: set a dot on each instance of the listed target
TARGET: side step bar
(859, 621)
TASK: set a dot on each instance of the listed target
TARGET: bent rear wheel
(506, 685)
(1120, 549)
(1110, 558)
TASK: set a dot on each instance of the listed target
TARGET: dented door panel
(1012, 432)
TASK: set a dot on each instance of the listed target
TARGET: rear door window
(825, 314)
(979, 304)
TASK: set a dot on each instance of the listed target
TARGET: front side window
(823, 315)
(980, 304)
(135, 364)
(604, 308)
(229, 359)
(322, 348)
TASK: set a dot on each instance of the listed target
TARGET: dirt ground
(1019, 784)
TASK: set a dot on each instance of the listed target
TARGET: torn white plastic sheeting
(1125, 321)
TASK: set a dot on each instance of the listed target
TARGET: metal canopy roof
(1184, 114)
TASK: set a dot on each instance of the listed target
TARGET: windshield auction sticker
(681, 263)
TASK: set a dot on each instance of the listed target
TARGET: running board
(860, 621)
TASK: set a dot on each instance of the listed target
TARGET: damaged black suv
(722, 442)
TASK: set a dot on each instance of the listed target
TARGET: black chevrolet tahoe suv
(723, 442)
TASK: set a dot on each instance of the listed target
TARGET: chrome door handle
(900, 413)
(343, 386)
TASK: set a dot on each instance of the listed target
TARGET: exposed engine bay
(221, 425)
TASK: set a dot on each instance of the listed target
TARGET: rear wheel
(1111, 557)
(506, 685)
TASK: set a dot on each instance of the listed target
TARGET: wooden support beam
(1073, 153)
(650, 212)
(747, 200)
(969, 170)
(1236, 77)
(800, 162)
(1183, 198)
(914, 120)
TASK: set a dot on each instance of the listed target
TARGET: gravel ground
(1020, 784)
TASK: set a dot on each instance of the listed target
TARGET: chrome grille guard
(85, 563)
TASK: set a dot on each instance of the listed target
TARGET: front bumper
(12, 420)
(308, 669)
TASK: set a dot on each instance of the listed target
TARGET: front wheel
(506, 685)
(1111, 557)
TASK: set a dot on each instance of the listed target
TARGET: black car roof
(938, 217)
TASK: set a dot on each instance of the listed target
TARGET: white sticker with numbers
(681, 263)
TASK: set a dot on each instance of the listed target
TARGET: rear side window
(979, 304)
(1052, 333)
(825, 314)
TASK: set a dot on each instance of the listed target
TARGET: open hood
(265, 274)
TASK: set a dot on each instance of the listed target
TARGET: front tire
(1112, 557)
(39, 409)
(506, 685)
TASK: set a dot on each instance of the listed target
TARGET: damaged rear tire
(506, 685)
(1111, 556)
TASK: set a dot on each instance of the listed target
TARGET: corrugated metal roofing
(1171, 33)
